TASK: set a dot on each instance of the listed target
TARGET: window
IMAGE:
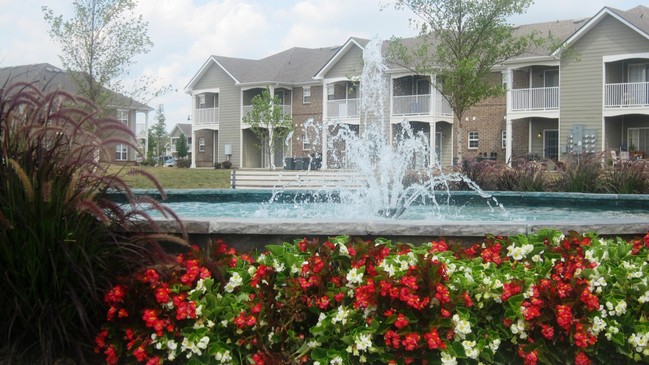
(330, 91)
(201, 144)
(201, 101)
(306, 95)
(503, 139)
(121, 152)
(306, 143)
(473, 140)
(122, 116)
(638, 139)
(551, 78)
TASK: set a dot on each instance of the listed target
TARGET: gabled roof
(294, 66)
(184, 128)
(339, 53)
(48, 78)
(637, 19)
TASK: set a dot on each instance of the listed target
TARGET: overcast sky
(186, 32)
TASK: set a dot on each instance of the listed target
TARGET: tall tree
(462, 41)
(159, 132)
(182, 148)
(99, 42)
(268, 122)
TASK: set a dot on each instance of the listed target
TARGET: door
(636, 91)
(551, 144)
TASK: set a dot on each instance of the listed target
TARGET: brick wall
(303, 112)
(204, 158)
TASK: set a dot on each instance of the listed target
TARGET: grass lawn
(177, 178)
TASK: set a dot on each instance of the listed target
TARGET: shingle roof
(638, 16)
(293, 66)
(186, 128)
(48, 78)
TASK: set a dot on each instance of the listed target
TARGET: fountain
(392, 198)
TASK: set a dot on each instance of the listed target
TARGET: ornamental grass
(544, 298)
(62, 241)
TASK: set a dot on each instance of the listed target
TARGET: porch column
(325, 126)
(509, 76)
(194, 145)
(508, 141)
(215, 152)
(433, 139)
(146, 135)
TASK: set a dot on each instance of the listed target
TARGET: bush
(484, 173)
(631, 177)
(524, 175)
(582, 175)
(217, 165)
(183, 163)
(226, 164)
(545, 297)
(62, 241)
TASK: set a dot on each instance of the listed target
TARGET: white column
(509, 74)
(432, 144)
(194, 145)
(146, 134)
(325, 125)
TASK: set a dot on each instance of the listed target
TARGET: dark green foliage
(182, 148)
(183, 163)
(61, 241)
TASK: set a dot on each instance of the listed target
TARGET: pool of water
(458, 206)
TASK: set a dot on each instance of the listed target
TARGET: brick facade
(204, 158)
(302, 112)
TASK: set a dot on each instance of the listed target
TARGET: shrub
(217, 165)
(631, 177)
(484, 173)
(183, 163)
(226, 164)
(541, 298)
(524, 175)
(62, 242)
(582, 175)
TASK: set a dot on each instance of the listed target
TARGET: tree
(269, 123)
(462, 41)
(182, 148)
(159, 132)
(150, 153)
(99, 42)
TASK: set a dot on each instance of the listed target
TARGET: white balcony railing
(206, 116)
(442, 107)
(540, 98)
(634, 94)
(411, 105)
(342, 108)
(286, 109)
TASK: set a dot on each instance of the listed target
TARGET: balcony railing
(343, 108)
(540, 98)
(634, 94)
(286, 109)
(206, 116)
(411, 104)
(442, 107)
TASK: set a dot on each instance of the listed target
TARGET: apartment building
(588, 96)
(48, 78)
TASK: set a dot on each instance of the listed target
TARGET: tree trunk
(459, 132)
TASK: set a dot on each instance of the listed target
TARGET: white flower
(336, 361)
(341, 315)
(363, 341)
(469, 349)
(620, 308)
(462, 326)
(354, 277)
(448, 359)
(644, 298)
(493, 345)
(203, 342)
(313, 344)
(235, 281)
(343, 249)
(252, 270)
(278, 266)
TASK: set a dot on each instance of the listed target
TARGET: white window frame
(122, 116)
(331, 91)
(201, 101)
(121, 152)
(306, 95)
(473, 136)
(503, 139)
(201, 144)
(633, 138)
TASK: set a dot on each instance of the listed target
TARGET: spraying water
(382, 155)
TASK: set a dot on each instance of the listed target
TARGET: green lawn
(177, 178)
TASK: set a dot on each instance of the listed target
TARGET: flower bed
(543, 298)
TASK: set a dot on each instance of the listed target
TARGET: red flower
(591, 300)
(433, 340)
(564, 316)
(467, 299)
(529, 358)
(582, 359)
(111, 355)
(163, 294)
(115, 295)
(140, 353)
(442, 293)
(531, 312)
(151, 276)
(547, 331)
(401, 321)
(410, 282)
(439, 246)
(339, 297)
(509, 290)
(392, 339)
(411, 341)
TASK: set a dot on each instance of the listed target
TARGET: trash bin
(316, 162)
(298, 163)
(289, 163)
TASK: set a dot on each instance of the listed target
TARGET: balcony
(626, 95)
(420, 105)
(342, 108)
(206, 116)
(535, 99)
(286, 109)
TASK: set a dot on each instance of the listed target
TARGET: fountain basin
(227, 214)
